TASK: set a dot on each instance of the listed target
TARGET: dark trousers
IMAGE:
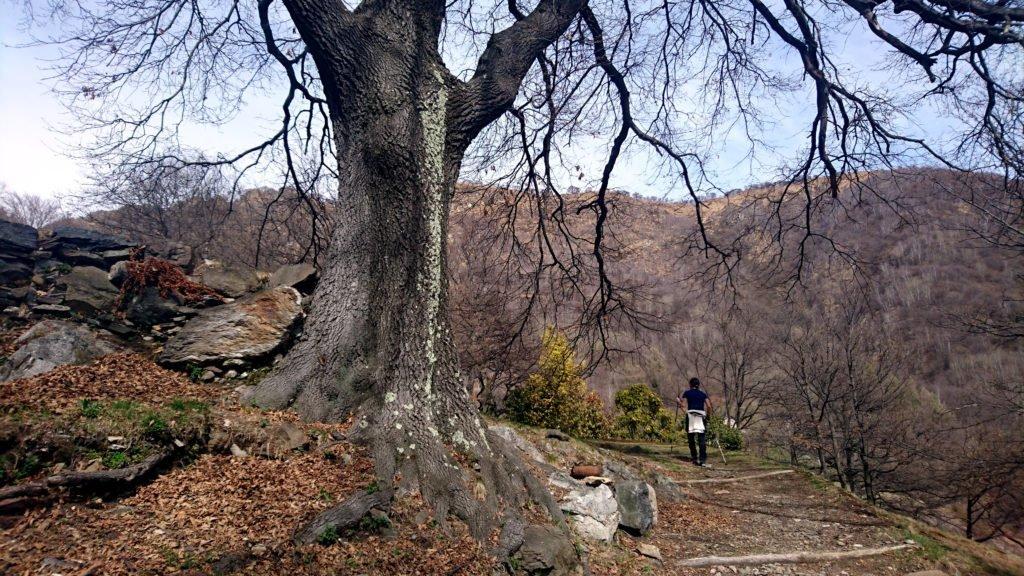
(696, 438)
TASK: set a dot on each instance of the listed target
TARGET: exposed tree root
(30, 494)
(737, 478)
(345, 515)
(788, 558)
(504, 484)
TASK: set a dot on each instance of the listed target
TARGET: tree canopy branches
(536, 87)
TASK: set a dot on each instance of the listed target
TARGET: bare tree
(399, 98)
(844, 391)
(35, 211)
(734, 358)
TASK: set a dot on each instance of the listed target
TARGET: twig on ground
(736, 478)
(788, 558)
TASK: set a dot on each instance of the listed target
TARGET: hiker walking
(698, 406)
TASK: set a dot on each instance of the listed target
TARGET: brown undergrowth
(169, 280)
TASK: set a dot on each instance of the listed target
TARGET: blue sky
(36, 158)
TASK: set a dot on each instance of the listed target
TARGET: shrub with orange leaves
(168, 278)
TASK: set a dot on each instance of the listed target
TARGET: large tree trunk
(377, 343)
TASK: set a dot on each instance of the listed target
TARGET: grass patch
(195, 372)
(13, 468)
(90, 408)
(115, 459)
(374, 523)
(820, 484)
(328, 536)
(929, 547)
(189, 405)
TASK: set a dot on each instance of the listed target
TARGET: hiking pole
(718, 442)
(675, 426)
(675, 421)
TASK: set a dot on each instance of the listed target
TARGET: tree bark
(377, 344)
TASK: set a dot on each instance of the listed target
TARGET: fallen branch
(35, 493)
(788, 558)
(780, 514)
(736, 478)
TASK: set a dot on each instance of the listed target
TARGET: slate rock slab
(231, 281)
(83, 239)
(53, 343)
(246, 329)
(88, 290)
(302, 277)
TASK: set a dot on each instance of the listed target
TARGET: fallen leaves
(123, 376)
(221, 511)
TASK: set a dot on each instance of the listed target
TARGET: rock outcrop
(231, 281)
(17, 243)
(594, 513)
(53, 343)
(84, 247)
(547, 551)
(638, 506)
(247, 329)
(302, 277)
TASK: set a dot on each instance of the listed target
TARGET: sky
(32, 158)
(37, 158)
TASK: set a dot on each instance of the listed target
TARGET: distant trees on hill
(30, 209)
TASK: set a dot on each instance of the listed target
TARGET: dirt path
(743, 509)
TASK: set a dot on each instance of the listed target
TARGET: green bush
(730, 437)
(642, 415)
(556, 396)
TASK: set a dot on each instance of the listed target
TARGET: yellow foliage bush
(556, 396)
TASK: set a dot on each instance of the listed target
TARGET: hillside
(912, 256)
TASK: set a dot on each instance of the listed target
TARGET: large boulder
(88, 290)
(53, 343)
(247, 329)
(17, 243)
(302, 277)
(231, 281)
(594, 513)
(546, 550)
(638, 506)
(620, 471)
